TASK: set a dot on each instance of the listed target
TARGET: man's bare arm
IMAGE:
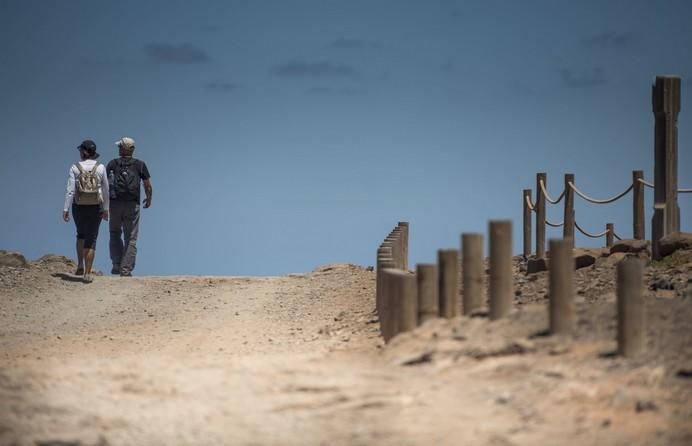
(149, 191)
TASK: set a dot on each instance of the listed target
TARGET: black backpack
(125, 182)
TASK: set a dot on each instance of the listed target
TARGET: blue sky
(282, 135)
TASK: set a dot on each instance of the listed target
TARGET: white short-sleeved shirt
(74, 173)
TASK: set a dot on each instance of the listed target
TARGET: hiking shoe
(125, 274)
(79, 272)
(115, 269)
(88, 278)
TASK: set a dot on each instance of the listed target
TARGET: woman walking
(87, 196)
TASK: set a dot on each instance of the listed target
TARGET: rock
(615, 258)
(630, 245)
(534, 265)
(643, 406)
(583, 258)
(14, 259)
(673, 242)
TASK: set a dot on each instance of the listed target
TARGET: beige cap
(125, 141)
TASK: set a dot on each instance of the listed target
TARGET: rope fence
(568, 224)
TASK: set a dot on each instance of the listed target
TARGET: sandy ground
(298, 360)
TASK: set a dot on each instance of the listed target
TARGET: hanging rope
(529, 204)
(589, 234)
(616, 236)
(554, 225)
(645, 183)
(547, 197)
(593, 200)
(680, 191)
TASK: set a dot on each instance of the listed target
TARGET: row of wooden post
(406, 299)
(568, 225)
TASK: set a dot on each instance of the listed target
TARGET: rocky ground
(298, 360)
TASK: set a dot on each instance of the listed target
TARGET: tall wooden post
(631, 308)
(610, 234)
(568, 222)
(404, 244)
(428, 296)
(638, 205)
(384, 260)
(526, 198)
(561, 286)
(540, 215)
(500, 289)
(665, 98)
(472, 272)
(448, 284)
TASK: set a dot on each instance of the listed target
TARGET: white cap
(125, 141)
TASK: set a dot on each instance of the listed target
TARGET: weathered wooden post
(665, 98)
(631, 308)
(472, 272)
(448, 282)
(404, 225)
(500, 289)
(384, 255)
(540, 215)
(387, 306)
(404, 302)
(428, 297)
(527, 223)
(610, 234)
(568, 225)
(561, 287)
(638, 205)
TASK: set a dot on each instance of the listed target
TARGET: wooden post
(384, 254)
(527, 223)
(568, 225)
(448, 282)
(561, 286)
(386, 304)
(404, 225)
(610, 234)
(540, 215)
(472, 272)
(665, 98)
(428, 297)
(638, 229)
(402, 295)
(631, 308)
(500, 289)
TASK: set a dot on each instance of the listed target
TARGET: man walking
(125, 175)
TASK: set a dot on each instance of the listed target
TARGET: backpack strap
(79, 167)
(96, 166)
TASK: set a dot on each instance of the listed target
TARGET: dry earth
(299, 360)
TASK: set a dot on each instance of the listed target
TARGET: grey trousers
(124, 221)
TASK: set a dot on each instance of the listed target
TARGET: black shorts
(87, 218)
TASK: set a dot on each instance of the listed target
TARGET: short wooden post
(527, 222)
(428, 297)
(403, 299)
(561, 287)
(472, 272)
(448, 282)
(631, 308)
(610, 234)
(568, 225)
(404, 225)
(540, 215)
(638, 229)
(500, 289)
(384, 260)
(665, 98)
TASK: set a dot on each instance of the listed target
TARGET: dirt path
(298, 360)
